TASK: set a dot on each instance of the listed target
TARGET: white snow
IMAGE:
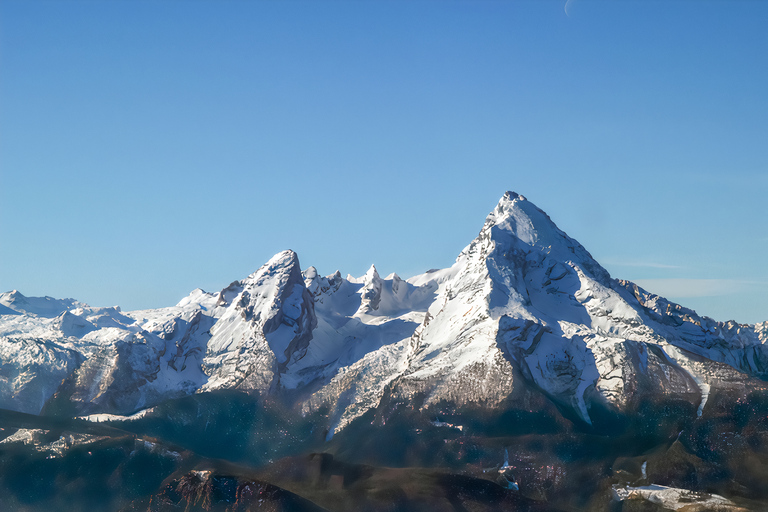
(98, 418)
(672, 498)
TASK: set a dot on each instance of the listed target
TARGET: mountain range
(524, 320)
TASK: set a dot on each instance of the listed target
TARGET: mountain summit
(524, 309)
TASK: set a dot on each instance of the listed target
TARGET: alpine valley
(524, 377)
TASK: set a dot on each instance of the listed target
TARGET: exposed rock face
(262, 323)
(370, 295)
(523, 305)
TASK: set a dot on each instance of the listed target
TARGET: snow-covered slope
(523, 304)
(525, 301)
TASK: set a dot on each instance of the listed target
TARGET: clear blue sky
(151, 147)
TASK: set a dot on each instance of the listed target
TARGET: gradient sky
(148, 148)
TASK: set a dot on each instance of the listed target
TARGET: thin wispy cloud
(675, 288)
(640, 264)
(567, 2)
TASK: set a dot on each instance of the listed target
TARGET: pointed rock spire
(371, 274)
(371, 292)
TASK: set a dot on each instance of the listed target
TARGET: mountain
(524, 335)
(523, 304)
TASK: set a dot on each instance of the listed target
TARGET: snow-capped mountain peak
(519, 227)
(512, 214)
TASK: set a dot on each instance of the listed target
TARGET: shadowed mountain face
(524, 367)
